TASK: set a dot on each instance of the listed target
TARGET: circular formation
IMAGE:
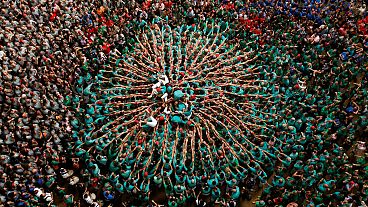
(185, 109)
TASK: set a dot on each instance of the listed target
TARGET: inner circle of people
(183, 103)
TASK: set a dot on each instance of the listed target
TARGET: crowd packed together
(179, 103)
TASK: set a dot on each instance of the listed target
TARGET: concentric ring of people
(185, 105)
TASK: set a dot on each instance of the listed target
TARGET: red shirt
(146, 5)
(53, 16)
(106, 48)
(168, 4)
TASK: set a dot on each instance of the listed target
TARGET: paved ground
(255, 195)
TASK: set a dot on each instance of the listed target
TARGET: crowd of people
(37, 57)
(314, 51)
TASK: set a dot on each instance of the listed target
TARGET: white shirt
(87, 198)
(153, 122)
(165, 81)
(39, 192)
(48, 197)
(95, 204)
(74, 180)
(158, 84)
